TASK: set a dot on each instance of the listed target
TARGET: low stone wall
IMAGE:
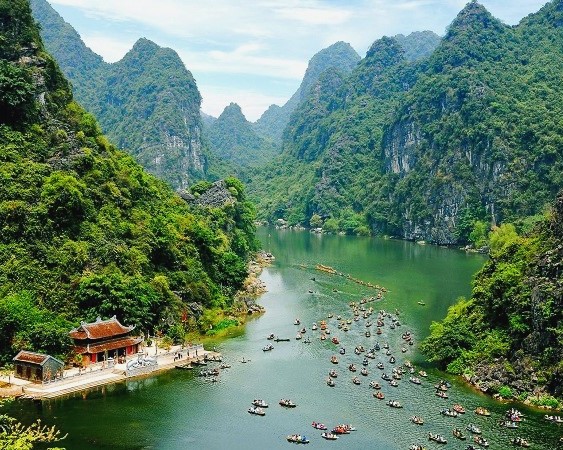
(137, 371)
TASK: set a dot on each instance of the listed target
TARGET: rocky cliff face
(451, 144)
(150, 104)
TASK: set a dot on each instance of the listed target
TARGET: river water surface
(179, 410)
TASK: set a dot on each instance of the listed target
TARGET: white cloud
(315, 16)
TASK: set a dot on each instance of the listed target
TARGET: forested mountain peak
(474, 14)
(474, 36)
(339, 55)
(383, 53)
(232, 110)
(233, 138)
(148, 102)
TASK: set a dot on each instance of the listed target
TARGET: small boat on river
(458, 408)
(278, 339)
(287, 403)
(379, 395)
(520, 442)
(364, 372)
(329, 436)
(352, 368)
(335, 340)
(482, 411)
(333, 374)
(438, 438)
(473, 429)
(187, 366)
(299, 336)
(297, 439)
(259, 402)
(415, 380)
(330, 382)
(334, 359)
(319, 426)
(268, 348)
(458, 434)
(374, 385)
(480, 440)
(356, 380)
(394, 404)
(508, 424)
(417, 420)
(256, 411)
(448, 413)
(441, 394)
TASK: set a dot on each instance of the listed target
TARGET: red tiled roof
(33, 358)
(100, 329)
(109, 345)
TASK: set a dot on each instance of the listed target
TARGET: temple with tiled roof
(103, 339)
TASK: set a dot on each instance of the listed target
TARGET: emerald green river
(179, 410)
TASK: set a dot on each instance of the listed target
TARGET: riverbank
(80, 379)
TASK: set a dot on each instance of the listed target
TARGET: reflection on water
(178, 409)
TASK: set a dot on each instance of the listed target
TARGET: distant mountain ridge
(425, 149)
(340, 55)
(232, 138)
(149, 103)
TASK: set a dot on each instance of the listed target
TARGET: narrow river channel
(179, 410)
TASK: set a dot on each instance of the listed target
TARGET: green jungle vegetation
(513, 321)
(84, 230)
(16, 436)
(150, 105)
(429, 149)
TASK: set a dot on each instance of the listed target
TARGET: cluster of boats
(328, 435)
(399, 369)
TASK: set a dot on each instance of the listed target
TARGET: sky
(255, 52)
